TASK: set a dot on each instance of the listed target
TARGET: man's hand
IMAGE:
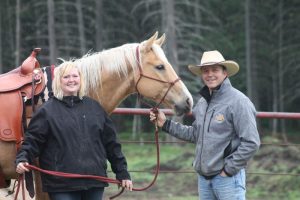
(223, 174)
(160, 117)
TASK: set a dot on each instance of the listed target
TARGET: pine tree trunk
(18, 34)
(280, 69)
(81, 27)
(99, 25)
(248, 49)
(51, 32)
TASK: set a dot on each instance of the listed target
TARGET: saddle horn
(31, 62)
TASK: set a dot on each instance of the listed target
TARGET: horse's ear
(148, 43)
(161, 40)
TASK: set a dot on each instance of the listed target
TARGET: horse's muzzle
(183, 107)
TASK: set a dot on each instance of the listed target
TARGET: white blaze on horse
(114, 74)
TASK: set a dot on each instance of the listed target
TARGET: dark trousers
(90, 194)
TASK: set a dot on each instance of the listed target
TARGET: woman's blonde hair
(59, 72)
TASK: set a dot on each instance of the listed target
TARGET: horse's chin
(181, 110)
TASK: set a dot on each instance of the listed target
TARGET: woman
(72, 133)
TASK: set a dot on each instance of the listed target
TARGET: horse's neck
(113, 90)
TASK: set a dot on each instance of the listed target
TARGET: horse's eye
(160, 67)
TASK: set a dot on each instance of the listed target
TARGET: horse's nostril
(188, 102)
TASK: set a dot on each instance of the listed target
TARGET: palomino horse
(113, 74)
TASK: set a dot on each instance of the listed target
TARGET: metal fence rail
(144, 111)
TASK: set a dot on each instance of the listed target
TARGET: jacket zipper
(213, 112)
(83, 122)
(204, 132)
(203, 137)
(72, 101)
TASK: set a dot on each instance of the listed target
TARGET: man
(224, 130)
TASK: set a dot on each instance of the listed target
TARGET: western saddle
(16, 87)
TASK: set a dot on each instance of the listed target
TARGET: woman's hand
(127, 184)
(21, 168)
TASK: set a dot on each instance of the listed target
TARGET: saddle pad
(11, 110)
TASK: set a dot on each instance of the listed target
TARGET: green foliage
(282, 163)
(272, 174)
(142, 157)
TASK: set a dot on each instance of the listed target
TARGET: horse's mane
(113, 60)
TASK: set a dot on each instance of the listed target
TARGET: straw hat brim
(231, 67)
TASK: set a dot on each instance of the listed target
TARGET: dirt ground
(125, 196)
(4, 194)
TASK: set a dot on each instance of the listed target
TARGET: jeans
(90, 194)
(223, 188)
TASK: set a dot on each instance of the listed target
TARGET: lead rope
(20, 184)
(155, 110)
(99, 178)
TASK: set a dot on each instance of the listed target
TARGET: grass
(183, 186)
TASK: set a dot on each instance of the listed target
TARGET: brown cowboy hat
(210, 58)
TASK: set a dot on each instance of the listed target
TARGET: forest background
(262, 36)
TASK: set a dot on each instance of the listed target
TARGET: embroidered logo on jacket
(219, 118)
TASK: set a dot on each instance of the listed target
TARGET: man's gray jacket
(224, 131)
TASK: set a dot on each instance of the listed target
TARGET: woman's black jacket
(75, 136)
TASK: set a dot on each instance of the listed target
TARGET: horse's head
(157, 80)
(113, 74)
